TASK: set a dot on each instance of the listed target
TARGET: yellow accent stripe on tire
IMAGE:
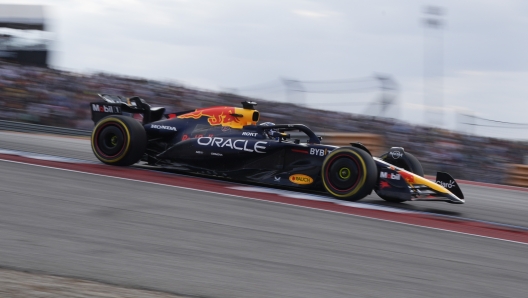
(127, 144)
(360, 184)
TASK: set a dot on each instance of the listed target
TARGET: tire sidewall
(367, 171)
(133, 143)
(412, 164)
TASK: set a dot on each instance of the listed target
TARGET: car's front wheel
(119, 140)
(349, 173)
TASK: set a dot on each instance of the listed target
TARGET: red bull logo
(215, 115)
(384, 184)
(407, 176)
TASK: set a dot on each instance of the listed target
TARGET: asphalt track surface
(195, 243)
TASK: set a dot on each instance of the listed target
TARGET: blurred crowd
(61, 98)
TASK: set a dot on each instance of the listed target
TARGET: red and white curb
(42, 156)
(304, 196)
(322, 203)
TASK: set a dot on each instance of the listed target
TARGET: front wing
(403, 185)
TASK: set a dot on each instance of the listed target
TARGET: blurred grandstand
(333, 94)
(60, 98)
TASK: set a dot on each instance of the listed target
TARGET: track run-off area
(66, 214)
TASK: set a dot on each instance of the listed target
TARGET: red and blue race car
(228, 142)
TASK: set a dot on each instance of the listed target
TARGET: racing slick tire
(349, 173)
(119, 140)
(414, 164)
(409, 163)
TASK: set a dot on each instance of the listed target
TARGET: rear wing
(103, 109)
(118, 105)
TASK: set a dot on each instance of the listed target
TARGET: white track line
(42, 156)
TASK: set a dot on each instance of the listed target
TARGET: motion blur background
(445, 80)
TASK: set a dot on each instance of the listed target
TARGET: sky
(476, 63)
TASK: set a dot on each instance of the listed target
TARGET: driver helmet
(269, 132)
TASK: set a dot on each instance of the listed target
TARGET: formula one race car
(227, 142)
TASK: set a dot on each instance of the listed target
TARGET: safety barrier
(518, 175)
(36, 128)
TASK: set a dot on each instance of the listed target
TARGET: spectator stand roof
(25, 17)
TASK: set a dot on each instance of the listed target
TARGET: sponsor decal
(215, 116)
(300, 151)
(216, 154)
(277, 179)
(396, 154)
(301, 179)
(226, 128)
(318, 152)
(449, 184)
(186, 137)
(242, 145)
(165, 127)
(249, 134)
(392, 176)
(105, 108)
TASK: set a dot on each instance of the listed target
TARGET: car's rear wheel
(119, 140)
(349, 173)
(409, 163)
